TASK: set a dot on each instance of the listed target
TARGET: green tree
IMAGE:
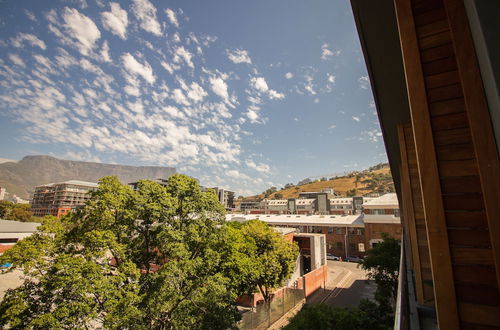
(17, 212)
(147, 259)
(382, 264)
(278, 195)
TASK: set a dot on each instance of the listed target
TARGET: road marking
(338, 287)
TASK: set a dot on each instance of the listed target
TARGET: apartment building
(382, 216)
(58, 199)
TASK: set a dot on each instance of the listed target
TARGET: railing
(264, 315)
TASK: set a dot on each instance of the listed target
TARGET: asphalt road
(347, 285)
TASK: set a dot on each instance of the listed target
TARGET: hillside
(377, 180)
(21, 177)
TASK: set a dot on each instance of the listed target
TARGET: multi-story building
(382, 216)
(225, 197)
(160, 181)
(60, 198)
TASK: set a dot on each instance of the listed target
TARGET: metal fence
(264, 315)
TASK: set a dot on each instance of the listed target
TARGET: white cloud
(30, 15)
(316, 100)
(146, 14)
(296, 119)
(309, 86)
(326, 53)
(182, 54)
(263, 168)
(332, 126)
(82, 29)
(195, 92)
(116, 20)
(30, 38)
(172, 17)
(331, 78)
(132, 90)
(239, 56)
(105, 52)
(136, 68)
(355, 118)
(179, 97)
(275, 95)
(169, 67)
(219, 87)
(289, 75)
(364, 82)
(259, 84)
(16, 60)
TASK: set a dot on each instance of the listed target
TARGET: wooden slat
(405, 140)
(444, 290)
(478, 294)
(435, 40)
(455, 152)
(430, 17)
(442, 79)
(432, 28)
(452, 136)
(451, 121)
(469, 238)
(446, 64)
(447, 107)
(458, 168)
(463, 202)
(464, 184)
(471, 273)
(471, 256)
(463, 219)
(479, 120)
(423, 6)
(445, 93)
(485, 315)
(437, 53)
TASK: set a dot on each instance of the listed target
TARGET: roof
(340, 200)
(73, 182)
(277, 202)
(284, 230)
(304, 201)
(384, 200)
(8, 226)
(301, 219)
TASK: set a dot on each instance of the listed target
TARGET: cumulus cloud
(289, 75)
(29, 38)
(239, 56)
(181, 54)
(105, 52)
(260, 84)
(134, 67)
(356, 118)
(82, 29)
(16, 59)
(219, 87)
(145, 13)
(274, 95)
(172, 17)
(261, 167)
(364, 82)
(116, 20)
(326, 53)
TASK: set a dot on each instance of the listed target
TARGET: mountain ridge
(22, 176)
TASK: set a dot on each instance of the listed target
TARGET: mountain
(22, 176)
(376, 179)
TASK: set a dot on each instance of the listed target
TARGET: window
(352, 247)
(396, 213)
(330, 230)
(338, 231)
(319, 230)
(359, 231)
(340, 246)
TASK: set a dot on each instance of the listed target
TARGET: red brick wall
(4, 248)
(375, 230)
(315, 280)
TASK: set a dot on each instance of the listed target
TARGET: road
(347, 285)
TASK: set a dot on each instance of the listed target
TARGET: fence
(264, 315)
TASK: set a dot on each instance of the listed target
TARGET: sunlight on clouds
(364, 82)
(82, 29)
(172, 17)
(136, 68)
(116, 20)
(239, 56)
(145, 12)
(30, 38)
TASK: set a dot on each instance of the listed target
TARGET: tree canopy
(158, 257)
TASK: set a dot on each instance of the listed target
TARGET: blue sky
(239, 94)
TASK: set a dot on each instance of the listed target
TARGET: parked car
(354, 259)
(332, 257)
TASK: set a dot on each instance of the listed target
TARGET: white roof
(284, 230)
(8, 226)
(387, 200)
(355, 220)
(73, 182)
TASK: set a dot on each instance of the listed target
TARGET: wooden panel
(464, 184)
(451, 121)
(422, 6)
(479, 120)
(477, 294)
(452, 136)
(435, 40)
(476, 220)
(432, 28)
(485, 315)
(444, 290)
(430, 17)
(442, 79)
(447, 107)
(437, 53)
(469, 238)
(445, 93)
(458, 168)
(471, 256)
(470, 274)
(440, 66)
(463, 202)
(456, 152)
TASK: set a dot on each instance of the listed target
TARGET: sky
(239, 94)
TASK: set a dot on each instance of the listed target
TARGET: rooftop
(384, 200)
(73, 182)
(301, 219)
(8, 226)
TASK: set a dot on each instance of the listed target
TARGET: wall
(315, 280)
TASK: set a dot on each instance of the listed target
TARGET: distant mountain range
(20, 177)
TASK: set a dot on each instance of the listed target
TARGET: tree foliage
(367, 315)
(382, 264)
(17, 212)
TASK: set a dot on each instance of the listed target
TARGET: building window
(319, 230)
(330, 230)
(338, 231)
(352, 247)
(360, 231)
(340, 246)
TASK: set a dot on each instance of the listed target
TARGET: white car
(332, 257)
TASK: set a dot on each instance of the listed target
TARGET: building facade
(58, 199)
